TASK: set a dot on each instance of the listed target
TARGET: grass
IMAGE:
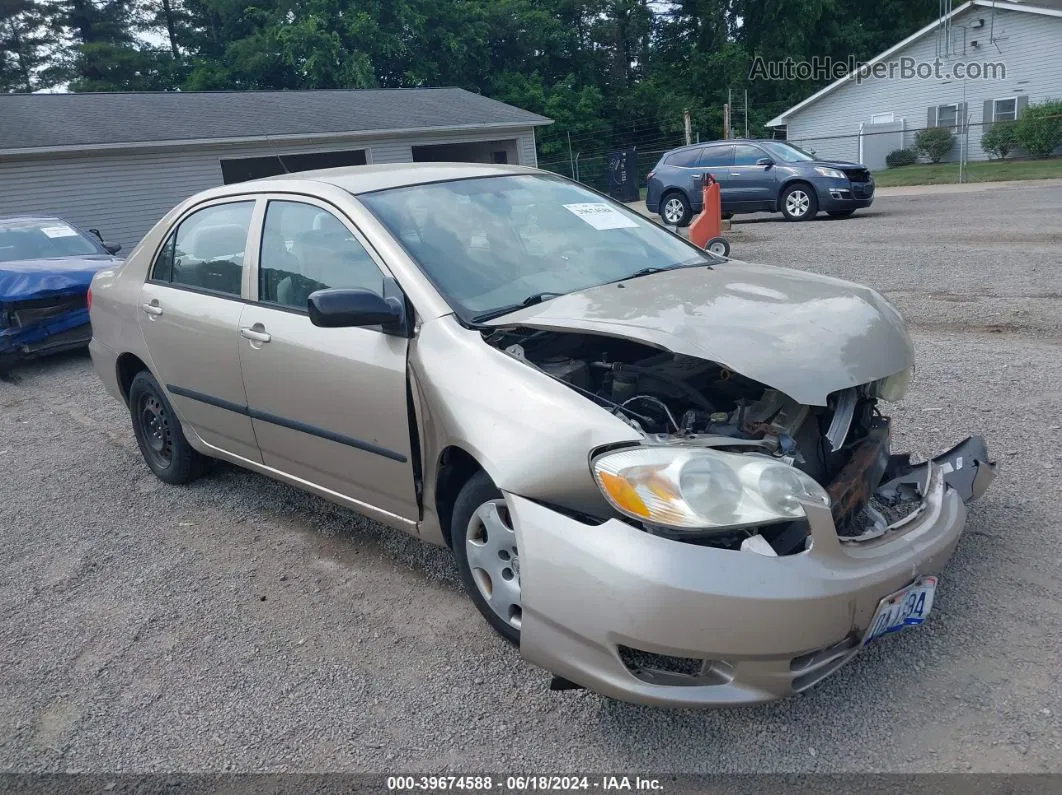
(987, 171)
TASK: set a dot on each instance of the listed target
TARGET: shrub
(935, 143)
(1039, 130)
(901, 157)
(999, 139)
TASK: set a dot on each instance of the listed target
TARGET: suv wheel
(799, 202)
(675, 209)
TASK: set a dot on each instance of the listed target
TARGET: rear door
(189, 313)
(716, 160)
(328, 405)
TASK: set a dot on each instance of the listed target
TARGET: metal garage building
(118, 162)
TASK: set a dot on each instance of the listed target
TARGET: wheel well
(671, 191)
(128, 366)
(456, 468)
(791, 183)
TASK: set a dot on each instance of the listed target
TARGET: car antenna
(276, 153)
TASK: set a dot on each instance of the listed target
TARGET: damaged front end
(40, 326)
(685, 402)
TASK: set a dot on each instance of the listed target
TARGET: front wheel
(675, 210)
(799, 202)
(487, 557)
(158, 433)
(839, 213)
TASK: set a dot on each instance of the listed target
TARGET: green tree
(26, 45)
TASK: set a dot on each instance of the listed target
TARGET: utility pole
(726, 121)
(746, 113)
(729, 112)
(571, 162)
(687, 127)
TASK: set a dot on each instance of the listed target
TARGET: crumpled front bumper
(743, 627)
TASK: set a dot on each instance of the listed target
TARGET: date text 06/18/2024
(527, 783)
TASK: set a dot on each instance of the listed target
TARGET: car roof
(365, 179)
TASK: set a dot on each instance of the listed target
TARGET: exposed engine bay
(675, 399)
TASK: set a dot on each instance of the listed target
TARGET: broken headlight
(703, 489)
(894, 387)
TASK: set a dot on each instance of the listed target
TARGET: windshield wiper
(531, 300)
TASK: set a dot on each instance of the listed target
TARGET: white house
(118, 162)
(981, 63)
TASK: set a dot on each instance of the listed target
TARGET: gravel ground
(238, 624)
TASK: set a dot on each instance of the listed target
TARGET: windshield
(785, 152)
(494, 243)
(45, 239)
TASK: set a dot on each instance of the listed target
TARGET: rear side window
(717, 156)
(687, 158)
(206, 250)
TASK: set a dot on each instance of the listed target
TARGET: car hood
(27, 279)
(803, 334)
(842, 164)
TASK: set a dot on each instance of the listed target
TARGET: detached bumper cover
(752, 628)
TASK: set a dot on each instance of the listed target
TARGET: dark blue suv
(756, 176)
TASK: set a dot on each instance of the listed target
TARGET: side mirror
(765, 161)
(112, 248)
(346, 308)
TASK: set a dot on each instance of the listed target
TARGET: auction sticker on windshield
(601, 216)
(59, 231)
(907, 607)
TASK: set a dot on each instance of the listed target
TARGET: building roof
(79, 121)
(1030, 7)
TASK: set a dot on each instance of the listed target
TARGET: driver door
(328, 405)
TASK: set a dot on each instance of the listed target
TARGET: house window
(947, 115)
(883, 118)
(1005, 109)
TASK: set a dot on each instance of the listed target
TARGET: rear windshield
(43, 240)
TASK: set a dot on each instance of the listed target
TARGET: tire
(675, 209)
(718, 245)
(839, 213)
(799, 202)
(158, 433)
(488, 561)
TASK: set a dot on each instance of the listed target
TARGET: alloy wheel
(674, 211)
(797, 203)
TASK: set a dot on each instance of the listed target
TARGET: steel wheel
(156, 429)
(797, 203)
(490, 547)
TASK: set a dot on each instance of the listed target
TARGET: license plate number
(907, 607)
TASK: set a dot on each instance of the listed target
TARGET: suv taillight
(650, 175)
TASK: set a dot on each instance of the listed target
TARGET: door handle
(254, 335)
(152, 309)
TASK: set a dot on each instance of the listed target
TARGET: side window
(304, 249)
(686, 158)
(717, 156)
(745, 155)
(206, 250)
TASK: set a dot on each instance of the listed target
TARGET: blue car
(756, 176)
(46, 266)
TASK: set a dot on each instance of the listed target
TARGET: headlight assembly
(895, 386)
(703, 489)
(830, 172)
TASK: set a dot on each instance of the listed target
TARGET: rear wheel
(799, 202)
(158, 433)
(675, 209)
(487, 557)
(839, 213)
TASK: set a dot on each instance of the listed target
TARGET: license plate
(907, 607)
